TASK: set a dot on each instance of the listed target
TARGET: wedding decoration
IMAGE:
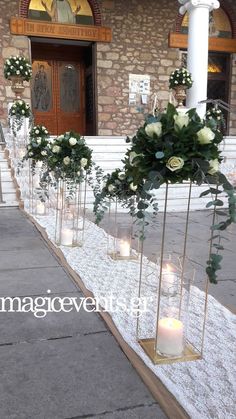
(116, 189)
(174, 148)
(70, 157)
(39, 146)
(17, 66)
(180, 80)
(69, 163)
(17, 69)
(216, 114)
(18, 111)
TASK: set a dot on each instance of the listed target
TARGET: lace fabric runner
(205, 388)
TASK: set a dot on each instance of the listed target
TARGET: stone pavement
(65, 365)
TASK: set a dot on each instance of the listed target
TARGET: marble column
(198, 38)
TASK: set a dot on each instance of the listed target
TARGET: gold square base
(116, 256)
(189, 353)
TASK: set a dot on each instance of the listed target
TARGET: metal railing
(221, 104)
(1, 195)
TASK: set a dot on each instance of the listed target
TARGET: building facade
(99, 65)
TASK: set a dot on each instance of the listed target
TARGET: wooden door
(58, 95)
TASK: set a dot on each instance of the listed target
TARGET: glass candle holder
(70, 213)
(167, 331)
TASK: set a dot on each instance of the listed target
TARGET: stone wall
(139, 46)
(9, 45)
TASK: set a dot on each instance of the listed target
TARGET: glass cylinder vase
(70, 213)
(122, 241)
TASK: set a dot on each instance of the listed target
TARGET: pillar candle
(124, 248)
(170, 339)
(66, 237)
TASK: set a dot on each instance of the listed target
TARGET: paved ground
(65, 365)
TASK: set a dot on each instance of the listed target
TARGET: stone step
(8, 187)
(9, 204)
(3, 164)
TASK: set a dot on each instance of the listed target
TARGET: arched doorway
(63, 82)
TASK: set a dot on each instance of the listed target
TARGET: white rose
(44, 153)
(175, 163)
(38, 140)
(66, 161)
(83, 162)
(132, 156)
(60, 138)
(72, 141)
(181, 120)
(111, 188)
(36, 131)
(31, 154)
(121, 175)
(56, 149)
(22, 111)
(153, 128)
(214, 166)
(133, 187)
(17, 72)
(205, 135)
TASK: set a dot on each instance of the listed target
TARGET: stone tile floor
(65, 365)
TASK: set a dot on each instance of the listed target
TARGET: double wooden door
(58, 95)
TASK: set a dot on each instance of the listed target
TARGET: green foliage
(69, 157)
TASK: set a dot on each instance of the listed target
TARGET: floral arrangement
(17, 66)
(19, 110)
(115, 186)
(39, 146)
(216, 114)
(172, 148)
(38, 131)
(69, 157)
(180, 77)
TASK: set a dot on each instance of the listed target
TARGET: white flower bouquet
(17, 66)
(180, 77)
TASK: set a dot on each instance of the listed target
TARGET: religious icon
(61, 11)
(69, 89)
(40, 90)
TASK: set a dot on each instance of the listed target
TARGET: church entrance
(61, 89)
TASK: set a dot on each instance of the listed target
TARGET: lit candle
(40, 208)
(124, 248)
(170, 339)
(169, 279)
(66, 237)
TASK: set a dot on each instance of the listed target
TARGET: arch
(24, 6)
(225, 6)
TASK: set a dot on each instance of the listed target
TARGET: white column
(198, 38)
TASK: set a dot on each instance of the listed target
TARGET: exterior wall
(9, 45)
(140, 46)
